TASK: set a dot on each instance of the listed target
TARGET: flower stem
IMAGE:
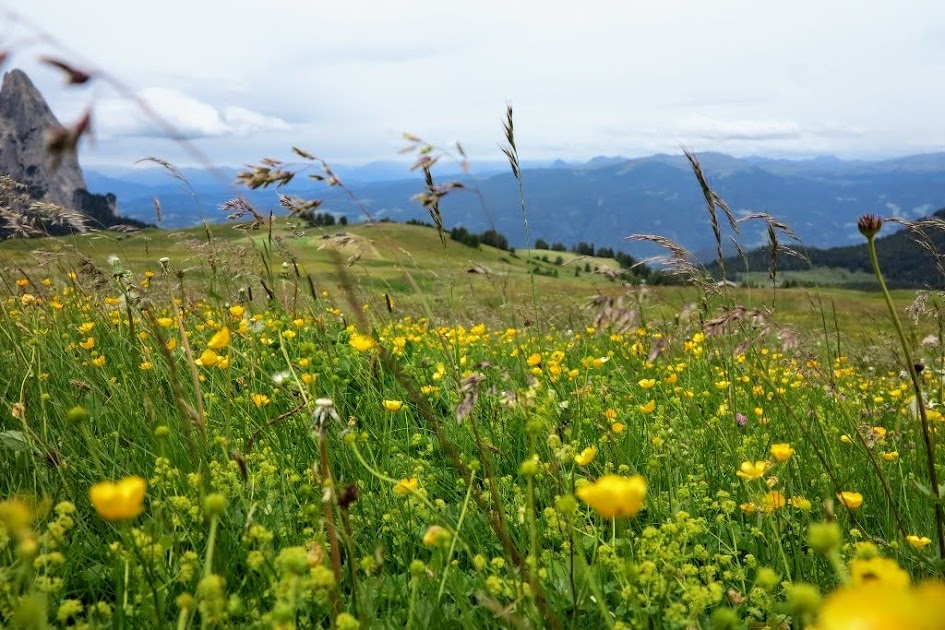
(920, 401)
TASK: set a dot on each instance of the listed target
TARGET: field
(368, 427)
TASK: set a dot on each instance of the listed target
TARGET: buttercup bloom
(119, 501)
(782, 452)
(586, 456)
(851, 500)
(613, 495)
(752, 470)
(393, 405)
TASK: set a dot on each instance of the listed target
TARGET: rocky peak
(25, 118)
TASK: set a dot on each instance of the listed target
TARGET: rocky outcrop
(25, 120)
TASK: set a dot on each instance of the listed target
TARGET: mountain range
(600, 201)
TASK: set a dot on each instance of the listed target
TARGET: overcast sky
(247, 80)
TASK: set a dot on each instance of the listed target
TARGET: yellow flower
(145, 365)
(610, 414)
(890, 456)
(647, 383)
(671, 379)
(918, 541)
(361, 343)
(752, 470)
(209, 358)
(851, 500)
(800, 503)
(164, 322)
(869, 607)
(617, 427)
(878, 570)
(782, 451)
(260, 400)
(586, 456)
(774, 500)
(15, 515)
(88, 344)
(436, 535)
(119, 501)
(748, 508)
(393, 405)
(220, 340)
(534, 360)
(86, 327)
(237, 311)
(846, 439)
(613, 496)
(648, 407)
(406, 486)
(99, 361)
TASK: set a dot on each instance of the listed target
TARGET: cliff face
(24, 120)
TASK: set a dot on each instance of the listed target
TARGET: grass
(448, 461)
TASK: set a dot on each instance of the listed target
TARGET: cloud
(189, 116)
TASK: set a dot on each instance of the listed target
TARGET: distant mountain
(605, 199)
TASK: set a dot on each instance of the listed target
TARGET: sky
(344, 80)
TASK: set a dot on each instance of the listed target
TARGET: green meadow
(369, 426)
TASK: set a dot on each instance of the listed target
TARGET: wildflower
(752, 470)
(890, 456)
(533, 360)
(393, 405)
(260, 400)
(99, 361)
(237, 311)
(774, 500)
(436, 535)
(165, 322)
(617, 427)
(918, 541)
(748, 508)
(145, 365)
(361, 343)
(869, 225)
(613, 496)
(851, 500)
(648, 407)
(88, 344)
(647, 383)
(324, 411)
(119, 501)
(586, 456)
(782, 451)
(800, 503)
(220, 340)
(209, 358)
(878, 570)
(406, 486)
(740, 419)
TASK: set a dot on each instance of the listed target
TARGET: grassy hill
(910, 258)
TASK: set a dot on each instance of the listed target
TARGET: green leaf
(17, 441)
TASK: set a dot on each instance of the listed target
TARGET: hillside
(905, 262)
(601, 201)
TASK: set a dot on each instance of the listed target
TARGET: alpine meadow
(288, 416)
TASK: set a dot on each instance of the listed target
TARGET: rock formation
(25, 119)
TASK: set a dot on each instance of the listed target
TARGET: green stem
(211, 542)
(920, 401)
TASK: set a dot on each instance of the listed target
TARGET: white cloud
(190, 117)
(613, 77)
